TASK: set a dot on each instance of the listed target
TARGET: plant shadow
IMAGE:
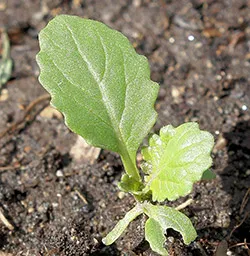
(236, 179)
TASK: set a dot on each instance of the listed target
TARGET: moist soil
(62, 202)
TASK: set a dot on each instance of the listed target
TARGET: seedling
(103, 88)
(5, 60)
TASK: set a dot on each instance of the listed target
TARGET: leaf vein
(105, 56)
(102, 89)
(89, 109)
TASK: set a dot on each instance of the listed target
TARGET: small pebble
(220, 144)
(222, 73)
(244, 107)
(30, 210)
(198, 45)
(59, 173)
(170, 239)
(95, 241)
(137, 3)
(2, 6)
(4, 95)
(218, 77)
(55, 205)
(171, 40)
(175, 92)
(191, 38)
(73, 238)
(75, 197)
(121, 195)
(103, 205)
(40, 208)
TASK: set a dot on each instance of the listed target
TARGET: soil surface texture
(60, 196)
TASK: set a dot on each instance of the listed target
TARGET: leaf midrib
(115, 123)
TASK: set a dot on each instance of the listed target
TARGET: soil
(62, 203)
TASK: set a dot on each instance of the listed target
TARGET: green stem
(130, 166)
(142, 197)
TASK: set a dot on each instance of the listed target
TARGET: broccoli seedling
(103, 88)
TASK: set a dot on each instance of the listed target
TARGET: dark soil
(61, 204)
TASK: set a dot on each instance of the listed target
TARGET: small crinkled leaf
(122, 225)
(208, 175)
(154, 234)
(168, 217)
(176, 159)
(100, 84)
(128, 184)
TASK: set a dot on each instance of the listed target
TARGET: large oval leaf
(100, 84)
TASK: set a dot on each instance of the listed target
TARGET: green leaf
(168, 217)
(176, 159)
(100, 84)
(122, 225)
(208, 175)
(128, 184)
(5, 60)
(154, 234)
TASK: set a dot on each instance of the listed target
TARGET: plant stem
(130, 166)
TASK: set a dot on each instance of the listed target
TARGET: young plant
(5, 60)
(103, 88)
